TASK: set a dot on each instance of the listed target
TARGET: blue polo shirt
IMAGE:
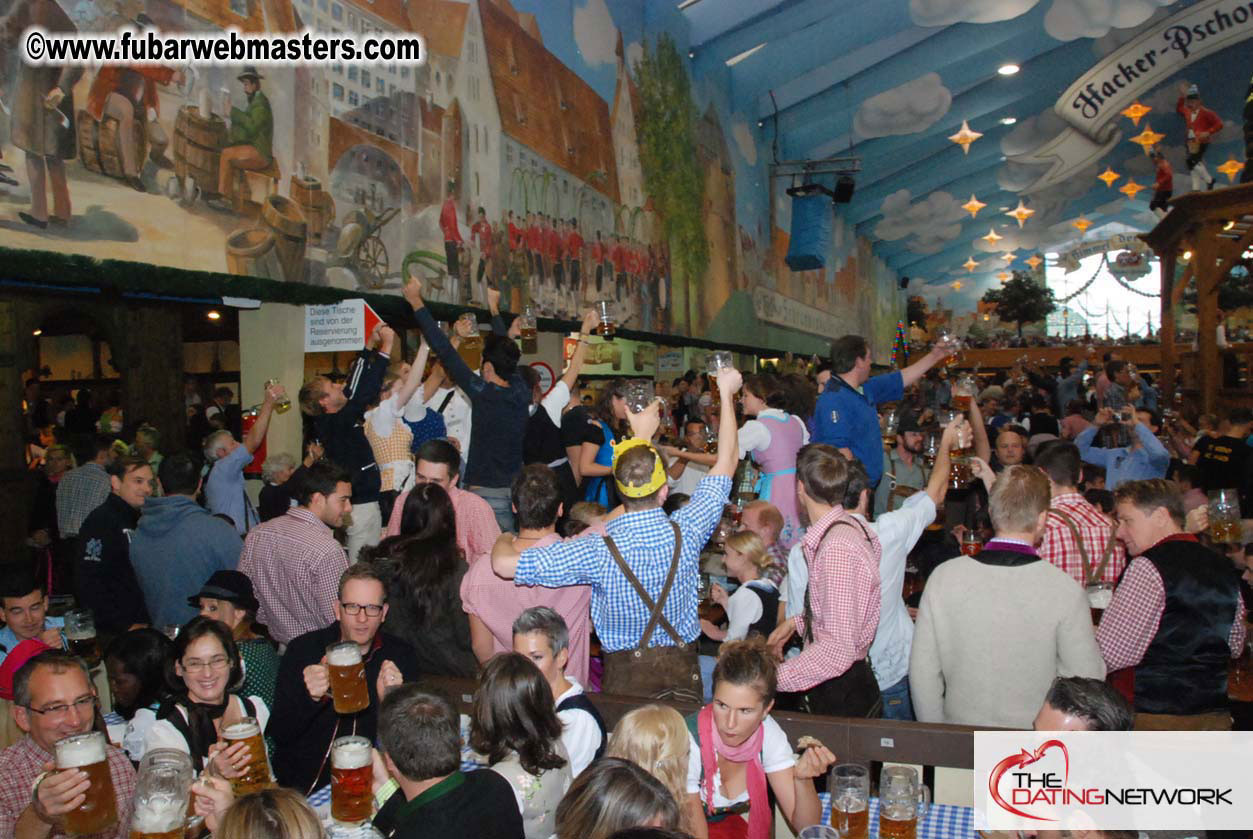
(846, 418)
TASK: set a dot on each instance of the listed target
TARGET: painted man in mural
(122, 93)
(574, 255)
(452, 240)
(42, 111)
(250, 144)
(1163, 185)
(1202, 125)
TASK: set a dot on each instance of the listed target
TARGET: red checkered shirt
(22, 762)
(477, 528)
(1130, 623)
(843, 597)
(1059, 548)
(295, 564)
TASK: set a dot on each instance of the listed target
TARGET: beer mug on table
(256, 775)
(528, 324)
(1224, 516)
(80, 635)
(283, 405)
(352, 775)
(347, 674)
(604, 311)
(162, 794)
(850, 800)
(903, 802)
(89, 752)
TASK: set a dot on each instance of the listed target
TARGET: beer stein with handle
(352, 775)
(850, 800)
(256, 775)
(162, 792)
(89, 752)
(903, 802)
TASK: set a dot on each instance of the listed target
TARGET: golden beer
(1225, 531)
(172, 833)
(256, 775)
(851, 817)
(529, 340)
(897, 828)
(961, 402)
(960, 471)
(88, 753)
(889, 440)
(347, 672)
(352, 775)
(85, 647)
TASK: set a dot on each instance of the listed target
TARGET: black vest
(580, 702)
(1184, 670)
(769, 597)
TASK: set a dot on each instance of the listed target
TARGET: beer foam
(353, 754)
(1100, 598)
(343, 655)
(159, 814)
(241, 730)
(80, 750)
(851, 803)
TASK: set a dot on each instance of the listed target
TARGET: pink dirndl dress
(777, 483)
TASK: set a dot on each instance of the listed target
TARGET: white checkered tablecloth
(943, 821)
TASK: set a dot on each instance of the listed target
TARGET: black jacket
(301, 729)
(104, 579)
(474, 805)
(342, 433)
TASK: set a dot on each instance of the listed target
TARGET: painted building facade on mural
(363, 171)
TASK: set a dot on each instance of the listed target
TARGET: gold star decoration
(973, 206)
(1020, 213)
(1004, 276)
(1148, 138)
(965, 137)
(1081, 224)
(1009, 257)
(957, 285)
(1135, 112)
(970, 264)
(1034, 261)
(1231, 168)
(1109, 176)
(1130, 188)
(993, 237)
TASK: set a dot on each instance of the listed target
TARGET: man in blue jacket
(847, 413)
(179, 544)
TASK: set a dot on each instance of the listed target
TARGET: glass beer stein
(88, 752)
(604, 311)
(527, 324)
(850, 800)
(903, 803)
(1224, 517)
(347, 674)
(80, 634)
(283, 405)
(716, 361)
(162, 794)
(352, 774)
(256, 775)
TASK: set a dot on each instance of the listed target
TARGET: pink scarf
(711, 746)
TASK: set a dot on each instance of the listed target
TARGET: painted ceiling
(894, 80)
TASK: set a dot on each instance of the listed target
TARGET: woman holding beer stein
(515, 724)
(220, 730)
(737, 749)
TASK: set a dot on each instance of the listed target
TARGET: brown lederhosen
(1089, 574)
(669, 672)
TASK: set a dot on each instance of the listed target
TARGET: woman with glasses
(200, 676)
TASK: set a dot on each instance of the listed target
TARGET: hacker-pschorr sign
(1091, 105)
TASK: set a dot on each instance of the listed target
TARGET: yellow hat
(656, 482)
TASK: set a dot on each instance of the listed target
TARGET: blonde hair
(654, 737)
(1017, 499)
(278, 813)
(750, 545)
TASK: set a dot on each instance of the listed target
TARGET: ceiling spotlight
(691, 53)
(1008, 69)
(213, 314)
(37, 332)
(761, 123)
(1187, 255)
(1008, 120)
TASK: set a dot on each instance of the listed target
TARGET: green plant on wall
(673, 177)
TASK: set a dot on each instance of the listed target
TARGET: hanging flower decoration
(973, 206)
(1021, 213)
(1109, 176)
(965, 137)
(1135, 112)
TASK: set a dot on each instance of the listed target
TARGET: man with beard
(903, 470)
(250, 143)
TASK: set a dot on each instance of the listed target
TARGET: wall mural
(532, 150)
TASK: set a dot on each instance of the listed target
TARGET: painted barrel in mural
(283, 218)
(252, 253)
(316, 203)
(198, 144)
(98, 144)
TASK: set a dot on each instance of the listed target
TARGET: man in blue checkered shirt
(649, 652)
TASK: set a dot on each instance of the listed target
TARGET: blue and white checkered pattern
(647, 544)
(943, 821)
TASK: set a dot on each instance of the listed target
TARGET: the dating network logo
(1028, 788)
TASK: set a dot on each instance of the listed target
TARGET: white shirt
(556, 401)
(776, 755)
(457, 416)
(755, 435)
(743, 610)
(161, 734)
(898, 532)
(692, 475)
(579, 732)
(796, 581)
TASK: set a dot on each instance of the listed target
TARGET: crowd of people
(1018, 561)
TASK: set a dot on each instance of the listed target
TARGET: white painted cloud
(1068, 20)
(1015, 177)
(594, 33)
(744, 141)
(907, 109)
(1031, 133)
(945, 12)
(928, 224)
(1115, 38)
(634, 52)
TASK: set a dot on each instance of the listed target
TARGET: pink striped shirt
(477, 530)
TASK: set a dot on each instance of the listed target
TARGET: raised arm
(937, 484)
(410, 385)
(454, 365)
(914, 372)
(256, 435)
(979, 431)
(580, 350)
(729, 382)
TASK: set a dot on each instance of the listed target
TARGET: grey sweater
(991, 638)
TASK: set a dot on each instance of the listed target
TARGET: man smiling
(24, 602)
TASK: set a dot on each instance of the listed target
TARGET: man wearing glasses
(304, 722)
(54, 699)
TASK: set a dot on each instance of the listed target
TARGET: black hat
(908, 422)
(231, 586)
(250, 72)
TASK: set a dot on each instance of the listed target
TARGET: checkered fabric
(1058, 546)
(943, 821)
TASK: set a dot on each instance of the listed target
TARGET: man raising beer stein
(325, 673)
(53, 699)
